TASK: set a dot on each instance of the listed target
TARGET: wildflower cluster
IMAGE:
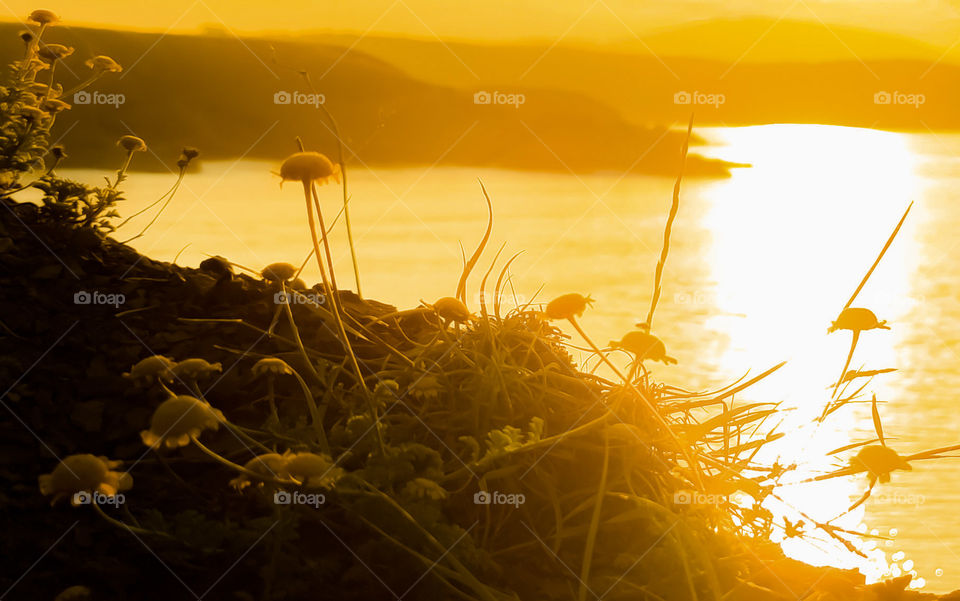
(31, 99)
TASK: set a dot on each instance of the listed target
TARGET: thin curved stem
(846, 365)
(271, 572)
(307, 188)
(316, 414)
(166, 388)
(271, 399)
(594, 521)
(234, 466)
(53, 71)
(346, 199)
(166, 465)
(296, 334)
(123, 170)
(126, 526)
(242, 434)
(324, 238)
(314, 238)
(159, 212)
(665, 249)
(171, 191)
(7, 194)
(82, 85)
(883, 251)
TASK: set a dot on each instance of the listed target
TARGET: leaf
(536, 430)
(876, 421)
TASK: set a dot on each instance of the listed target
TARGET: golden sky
(936, 22)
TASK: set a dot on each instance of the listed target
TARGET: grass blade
(866, 277)
(674, 208)
(468, 267)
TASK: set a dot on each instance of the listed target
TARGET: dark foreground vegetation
(202, 433)
(494, 404)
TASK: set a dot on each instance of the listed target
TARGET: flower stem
(168, 196)
(346, 199)
(316, 413)
(122, 172)
(853, 346)
(81, 85)
(334, 297)
(324, 238)
(221, 459)
(594, 521)
(241, 433)
(125, 526)
(271, 399)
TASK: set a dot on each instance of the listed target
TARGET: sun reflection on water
(791, 238)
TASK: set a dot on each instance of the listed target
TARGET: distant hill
(764, 40)
(226, 96)
(412, 102)
(797, 72)
(723, 40)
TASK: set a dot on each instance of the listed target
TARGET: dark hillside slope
(218, 94)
